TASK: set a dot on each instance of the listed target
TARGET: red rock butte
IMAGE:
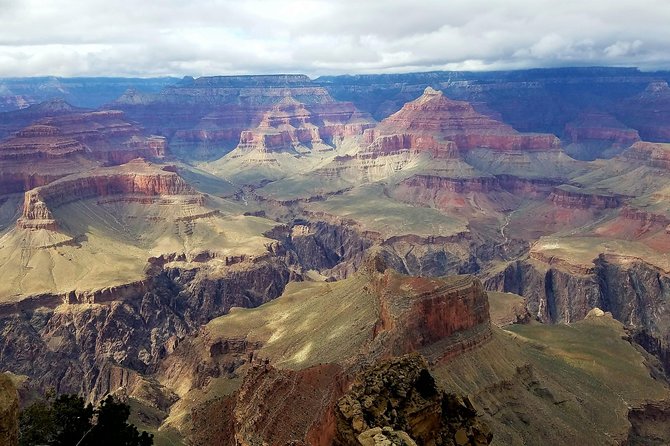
(433, 120)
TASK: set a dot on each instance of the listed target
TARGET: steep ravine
(136, 329)
(56, 340)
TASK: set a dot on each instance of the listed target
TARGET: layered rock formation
(290, 126)
(205, 117)
(574, 198)
(456, 121)
(597, 134)
(390, 308)
(132, 179)
(64, 144)
(102, 135)
(539, 100)
(650, 154)
(13, 121)
(440, 317)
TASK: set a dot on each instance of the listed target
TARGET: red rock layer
(422, 313)
(206, 116)
(453, 185)
(457, 121)
(577, 199)
(649, 153)
(407, 142)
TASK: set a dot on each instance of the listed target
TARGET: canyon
(429, 258)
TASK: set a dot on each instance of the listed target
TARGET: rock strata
(458, 122)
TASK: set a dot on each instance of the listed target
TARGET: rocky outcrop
(597, 135)
(104, 136)
(395, 144)
(65, 144)
(452, 185)
(335, 250)
(315, 388)
(600, 126)
(206, 117)
(398, 402)
(457, 121)
(650, 424)
(537, 100)
(9, 412)
(294, 126)
(15, 120)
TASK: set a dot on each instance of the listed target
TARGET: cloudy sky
(205, 37)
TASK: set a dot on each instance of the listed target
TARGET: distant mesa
(648, 112)
(204, 118)
(134, 179)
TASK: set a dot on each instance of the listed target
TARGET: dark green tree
(68, 421)
(36, 424)
(113, 429)
(72, 417)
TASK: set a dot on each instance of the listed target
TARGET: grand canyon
(436, 258)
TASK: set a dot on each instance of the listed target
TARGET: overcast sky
(206, 37)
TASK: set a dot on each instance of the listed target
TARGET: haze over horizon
(318, 37)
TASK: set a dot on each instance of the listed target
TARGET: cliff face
(333, 249)
(542, 100)
(648, 112)
(601, 126)
(105, 135)
(634, 292)
(63, 144)
(294, 126)
(651, 154)
(573, 198)
(440, 317)
(14, 120)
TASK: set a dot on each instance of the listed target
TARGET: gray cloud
(200, 37)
